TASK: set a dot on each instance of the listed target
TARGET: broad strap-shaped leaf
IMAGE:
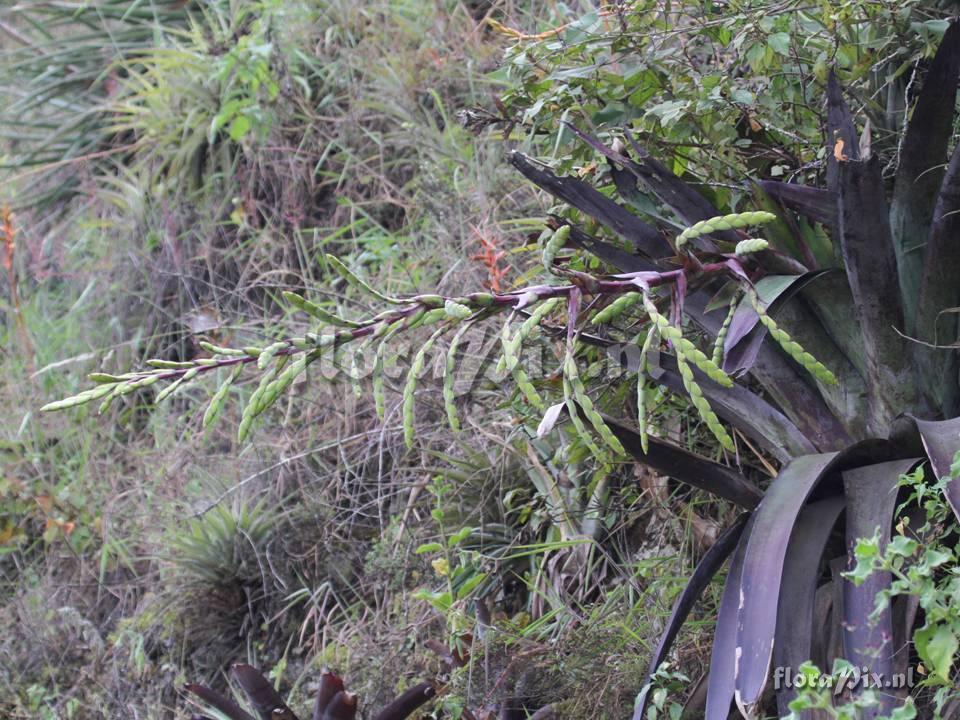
(847, 398)
(841, 134)
(408, 702)
(609, 253)
(709, 565)
(788, 386)
(763, 565)
(939, 292)
(867, 248)
(823, 619)
(343, 706)
(223, 704)
(265, 700)
(678, 195)
(724, 657)
(684, 466)
(871, 493)
(941, 440)
(591, 201)
(815, 204)
(922, 155)
(831, 302)
(789, 234)
(793, 640)
(689, 205)
(330, 685)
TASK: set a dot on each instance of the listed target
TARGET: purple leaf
(343, 706)
(746, 335)
(409, 701)
(216, 700)
(763, 564)
(678, 195)
(839, 127)
(868, 642)
(747, 412)
(785, 384)
(762, 570)
(723, 658)
(813, 203)
(708, 566)
(263, 697)
(922, 155)
(793, 643)
(868, 255)
(609, 253)
(587, 199)
(942, 441)
(688, 468)
(787, 237)
(939, 290)
(330, 685)
(689, 205)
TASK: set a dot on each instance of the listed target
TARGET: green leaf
(239, 127)
(903, 546)
(937, 647)
(428, 547)
(459, 536)
(470, 584)
(780, 42)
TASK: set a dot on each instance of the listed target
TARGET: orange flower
(6, 227)
(490, 257)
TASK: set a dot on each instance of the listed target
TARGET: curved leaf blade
(708, 566)
(871, 493)
(939, 291)
(589, 200)
(922, 155)
(223, 704)
(763, 565)
(763, 569)
(723, 657)
(688, 468)
(941, 440)
(793, 639)
(263, 697)
(816, 204)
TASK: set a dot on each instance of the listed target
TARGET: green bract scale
(790, 346)
(751, 245)
(554, 245)
(617, 308)
(723, 222)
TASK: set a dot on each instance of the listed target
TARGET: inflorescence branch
(282, 362)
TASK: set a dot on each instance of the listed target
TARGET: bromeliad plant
(333, 702)
(829, 343)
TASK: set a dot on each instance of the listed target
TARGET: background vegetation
(173, 167)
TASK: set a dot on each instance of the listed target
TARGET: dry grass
(144, 552)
